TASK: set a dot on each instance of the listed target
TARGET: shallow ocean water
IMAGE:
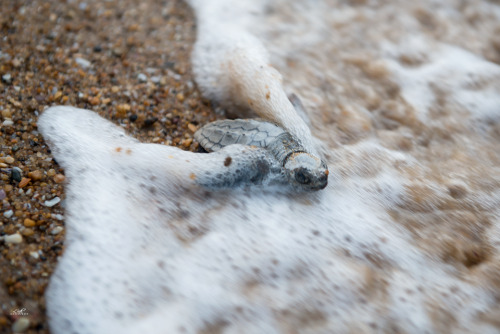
(403, 102)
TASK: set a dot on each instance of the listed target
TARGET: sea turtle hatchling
(301, 168)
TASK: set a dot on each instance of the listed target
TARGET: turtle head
(306, 171)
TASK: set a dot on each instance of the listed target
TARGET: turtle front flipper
(216, 135)
(238, 166)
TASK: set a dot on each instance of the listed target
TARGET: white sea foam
(403, 239)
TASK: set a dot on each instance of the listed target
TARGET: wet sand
(126, 60)
(131, 65)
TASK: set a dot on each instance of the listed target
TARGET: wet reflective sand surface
(403, 102)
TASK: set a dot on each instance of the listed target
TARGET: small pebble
(59, 178)
(150, 121)
(187, 142)
(7, 78)
(8, 213)
(21, 325)
(9, 160)
(192, 127)
(57, 230)
(58, 216)
(2, 194)
(29, 222)
(118, 52)
(15, 175)
(52, 202)
(28, 232)
(6, 113)
(51, 172)
(34, 255)
(142, 77)
(13, 238)
(94, 101)
(122, 109)
(83, 62)
(24, 181)
(8, 122)
(36, 175)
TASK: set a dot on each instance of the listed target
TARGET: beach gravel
(126, 60)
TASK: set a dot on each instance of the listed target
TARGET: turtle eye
(302, 176)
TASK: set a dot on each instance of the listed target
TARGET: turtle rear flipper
(216, 135)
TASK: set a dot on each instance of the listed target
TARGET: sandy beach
(401, 100)
(128, 62)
